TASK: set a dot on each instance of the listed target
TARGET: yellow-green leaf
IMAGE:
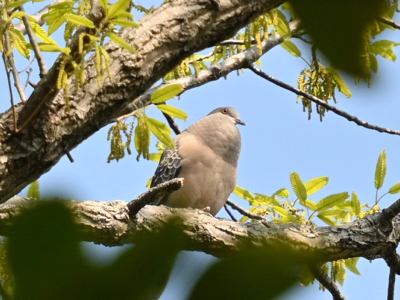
(283, 193)
(155, 157)
(330, 213)
(290, 47)
(327, 220)
(264, 200)
(243, 193)
(395, 189)
(309, 204)
(161, 131)
(340, 84)
(380, 171)
(298, 186)
(351, 264)
(18, 3)
(33, 191)
(117, 8)
(282, 26)
(173, 111)
(116, 39)
(286, 215)
(373, 63)
(104, 3)
(355, 203)
(40, 32)
(314, 185)
(331, 200)
(167, 92)
(125, 23)
(18, 14)
(79, 20)
(384, 48)
(18, 39)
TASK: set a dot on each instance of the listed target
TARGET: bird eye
(224, 111)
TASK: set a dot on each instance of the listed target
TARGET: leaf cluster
(146, 126)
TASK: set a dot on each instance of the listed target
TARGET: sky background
(278, 139)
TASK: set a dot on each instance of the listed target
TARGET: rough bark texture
(172, 32)
(108, 223)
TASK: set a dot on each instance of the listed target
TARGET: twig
(35, 46)
(10, 59)
(71, 159)
(153, 194)
(320, 102)
(230, 213)
(389, 22)
(392, 284)
(10, 91)
(245, 212)
(327, 282)
(27, 67)
(27, 79)
(172, 123)
(214, 72)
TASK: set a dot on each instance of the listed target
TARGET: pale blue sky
(277, 140)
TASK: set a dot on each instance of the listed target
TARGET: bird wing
(169, 166)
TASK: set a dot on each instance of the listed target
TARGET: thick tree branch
(166, 36)
(322, 103)
(108, 223)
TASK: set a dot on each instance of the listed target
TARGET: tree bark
(171, 33)
(109, 224)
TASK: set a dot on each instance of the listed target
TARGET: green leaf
(116, 39)
(243, 193)
(373, 63)
(291, 48)
(125, 23)
(384, 48)
(18, 3)
(40, 32)
(117, 8)
(298, 186)
(173, 111)
(167, 92)
(53, 26)
(314, 185)
(355, 203)
(18, 14)
(286, 215)
(104, 3)
(161, 131)
(340, 84)
(282, 25)
(50, 48)
(351, 264)
(331, 200)
(380, 171)
(79, 20)
(327, 220)
(283, 193)
(395, 189)
(18, 39)
(155, 157)
(309, 204)
(264, 200)
(33, 191)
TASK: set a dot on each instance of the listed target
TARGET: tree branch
(389, 22)
(322, 103)
(245, 212)
(108, 223)
(327, 282)
(392, 284)
(154, 193)
(35, 46)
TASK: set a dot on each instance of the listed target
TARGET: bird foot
(207, 209)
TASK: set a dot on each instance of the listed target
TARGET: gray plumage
(206, 155)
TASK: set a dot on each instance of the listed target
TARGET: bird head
(230, 112)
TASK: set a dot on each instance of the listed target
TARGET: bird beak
(238, 121)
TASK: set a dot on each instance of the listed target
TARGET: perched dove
(206, 155)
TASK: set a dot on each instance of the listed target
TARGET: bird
(206, 155)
